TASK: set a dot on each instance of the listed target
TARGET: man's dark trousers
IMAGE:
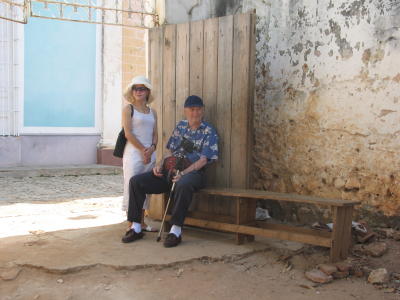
(148, 183)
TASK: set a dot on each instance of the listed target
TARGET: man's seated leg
(139, 186)
(183, 195)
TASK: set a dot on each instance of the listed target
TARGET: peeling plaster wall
(182, 11)
(327, 100)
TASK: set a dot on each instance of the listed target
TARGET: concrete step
(70, 170)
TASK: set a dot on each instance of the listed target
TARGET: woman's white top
(142, 127)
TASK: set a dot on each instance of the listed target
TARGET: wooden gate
(213, 59)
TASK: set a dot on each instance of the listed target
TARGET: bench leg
(245, 214)
(341, 235)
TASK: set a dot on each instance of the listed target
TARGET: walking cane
(166, 210)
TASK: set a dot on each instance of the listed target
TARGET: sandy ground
(61, 235)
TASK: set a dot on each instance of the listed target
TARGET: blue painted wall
(60, 61)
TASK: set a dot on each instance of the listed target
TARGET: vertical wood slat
(182, 68)
(196, 58)
(224, 112)
(224, 96)
(240, 100)
(250, 126)
(169, 71)
(155, 49)
(210, 87)
(210, 78)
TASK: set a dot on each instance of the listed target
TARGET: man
(197, 141)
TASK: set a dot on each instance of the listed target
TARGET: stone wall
(327, 100)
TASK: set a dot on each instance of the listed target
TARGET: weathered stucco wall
(327, 100)
(327, 96)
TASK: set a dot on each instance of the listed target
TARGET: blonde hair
(129, 97)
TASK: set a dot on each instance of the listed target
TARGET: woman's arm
(149, 151)
(155, 130)
(127, 124)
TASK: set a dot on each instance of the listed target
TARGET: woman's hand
(146, 160)
(146, 153)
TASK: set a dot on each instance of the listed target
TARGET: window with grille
(10, 77)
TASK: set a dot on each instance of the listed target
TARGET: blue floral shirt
(204, 138)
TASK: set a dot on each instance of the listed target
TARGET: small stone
(340, 275)
(36, 232)
(339, 183)
(365, 238)
(376, 249)
(352, 184)
(378, 276)
(318, 276)
(36, 297)
(396, 235)
(387, 232)
(327, 269)
(358, 273)
(358, 249)
(367, 270)
(389, 290)
(60, 281)
(108, 287)
(9, 274)
(343, 267)
(179, 273)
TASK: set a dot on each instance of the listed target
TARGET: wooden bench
(246, 227)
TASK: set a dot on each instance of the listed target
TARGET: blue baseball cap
(193, 101)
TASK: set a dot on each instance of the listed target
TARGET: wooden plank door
(213, 59)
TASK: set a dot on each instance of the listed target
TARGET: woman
(140, 126)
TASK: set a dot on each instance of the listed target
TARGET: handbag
(121, 141)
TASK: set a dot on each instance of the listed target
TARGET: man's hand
(157, 171)
(176, 178)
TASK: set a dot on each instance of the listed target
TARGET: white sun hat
(137, 80)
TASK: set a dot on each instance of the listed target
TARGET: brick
(340, 275)
(327, 269)
(343, 266)
(318, 276)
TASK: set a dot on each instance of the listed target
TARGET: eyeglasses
(139, 89)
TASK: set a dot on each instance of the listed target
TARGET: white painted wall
(112, 85)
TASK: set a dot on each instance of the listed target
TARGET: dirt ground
(255, 276)
(27, 224)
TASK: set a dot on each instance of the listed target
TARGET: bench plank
(259, 194)
(276, 231)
